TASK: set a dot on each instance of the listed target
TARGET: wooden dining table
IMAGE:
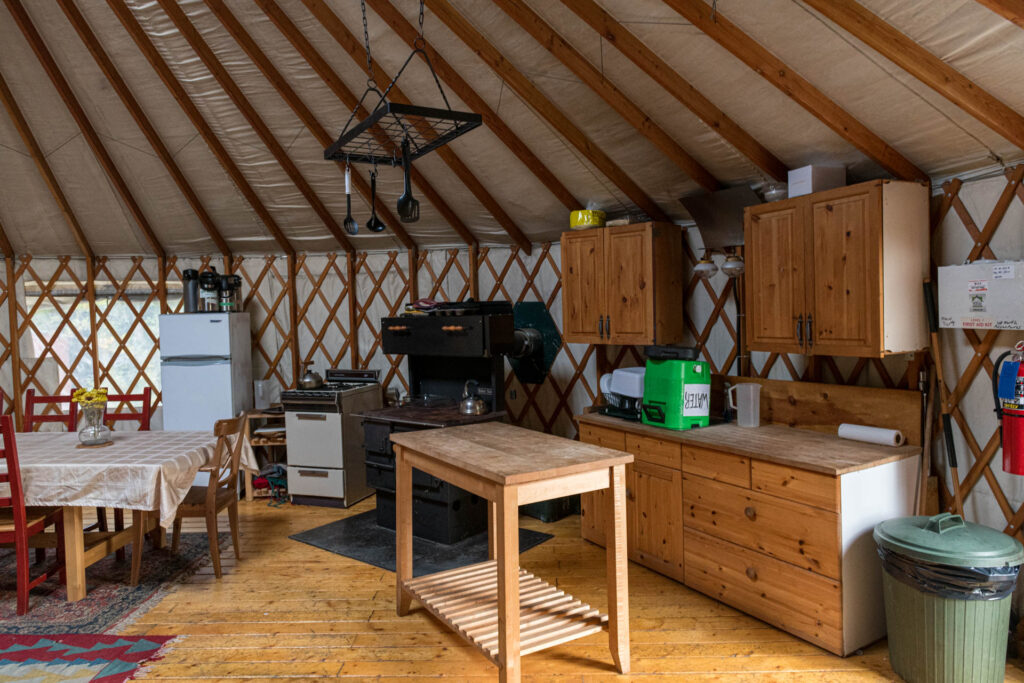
(148, 473)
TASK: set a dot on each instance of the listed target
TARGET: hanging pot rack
(362, 143)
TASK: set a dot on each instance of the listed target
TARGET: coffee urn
(190, 290)
(209, 291)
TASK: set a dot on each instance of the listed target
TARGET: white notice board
(983, 295)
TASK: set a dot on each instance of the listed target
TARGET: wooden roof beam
(533, 24)
(533, 97)
(5, 243)
(35, 41)
(400, 25)
(714, 24)
(36, 152)
(1011, 10)
(315, 60)
(354, 47)
(277, 79)
(898, 48)
(95, 48)
(152, 55)
(685, 93)
(220, 74)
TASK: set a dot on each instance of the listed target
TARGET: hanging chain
(420, 42)
(370, 82)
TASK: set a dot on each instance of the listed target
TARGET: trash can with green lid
(947, 585)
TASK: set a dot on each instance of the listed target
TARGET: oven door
(314, 439)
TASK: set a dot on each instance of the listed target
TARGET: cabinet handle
(810, 330)
(751, 513)
(600, 326)
(608, 325)
(751, 573)
(800, 329)
(319, 417)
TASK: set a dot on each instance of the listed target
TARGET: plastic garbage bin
(947, 585)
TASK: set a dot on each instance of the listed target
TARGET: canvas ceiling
(930, 131)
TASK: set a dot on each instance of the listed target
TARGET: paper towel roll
(884, 437)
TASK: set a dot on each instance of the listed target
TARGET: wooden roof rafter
(405, 30)
(291, 98)
(316, 61)
(354, 47)
(901, 50)
(35, 41)
(569, 57)
(95, 48)
(152, 55)
(634, 49)
(714, 25)
(543, 106)
(5, 243)
(241, 102)
(36, 152)
(1011, 10)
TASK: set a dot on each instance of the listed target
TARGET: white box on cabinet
(808, 179)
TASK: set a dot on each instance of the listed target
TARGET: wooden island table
(503, 610)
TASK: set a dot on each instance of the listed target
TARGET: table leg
(74, 552)
(492, 530)
(508, 585)
(248, 486)
(138, 535)
(617, 569)
(403, 531)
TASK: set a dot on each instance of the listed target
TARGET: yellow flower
(78, 395)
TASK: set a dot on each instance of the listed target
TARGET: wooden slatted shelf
(466, 600)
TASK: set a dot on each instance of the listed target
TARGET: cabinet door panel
(847, 282)
(593, 505)
(583, 282)
(629, 266)
(656, 527)
(775, 279)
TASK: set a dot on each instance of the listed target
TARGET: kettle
(472, 404)
(312, 379)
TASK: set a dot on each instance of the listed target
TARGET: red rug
(82, 657)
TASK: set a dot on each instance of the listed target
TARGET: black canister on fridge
(190, 290)
(209, 291)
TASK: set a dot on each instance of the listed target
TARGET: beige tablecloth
(140, 471)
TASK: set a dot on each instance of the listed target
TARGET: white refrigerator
(205, 368)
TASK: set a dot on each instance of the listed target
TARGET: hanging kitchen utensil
(374, 224)
(351, 227)
(408, 206)
(376, 138)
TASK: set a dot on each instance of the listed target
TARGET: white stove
(326, 460)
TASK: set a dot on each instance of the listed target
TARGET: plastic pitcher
(745, 399)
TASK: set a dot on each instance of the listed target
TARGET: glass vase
(94, 433)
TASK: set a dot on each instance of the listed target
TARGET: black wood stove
(452, 344)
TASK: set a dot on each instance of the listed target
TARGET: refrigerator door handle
(195, 361)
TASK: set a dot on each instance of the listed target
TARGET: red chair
(18, 523)
(141, 416)
(31, 419)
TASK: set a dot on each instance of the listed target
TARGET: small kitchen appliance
(677, 392)
(209, 291)
(326, 463)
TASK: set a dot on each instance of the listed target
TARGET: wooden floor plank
(288, 610)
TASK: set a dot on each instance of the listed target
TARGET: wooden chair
(32, 419)
(142, 416)
(208, 501)
(18, 523)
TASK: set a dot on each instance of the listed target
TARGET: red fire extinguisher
(1008, 392)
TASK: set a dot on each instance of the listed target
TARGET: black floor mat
(360, 538)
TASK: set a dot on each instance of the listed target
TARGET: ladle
(374, 224)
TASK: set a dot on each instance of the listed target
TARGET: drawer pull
(751, 573)
(319, 417)
(313, 473)
(398, 328)
(751, 513)
(453, 328)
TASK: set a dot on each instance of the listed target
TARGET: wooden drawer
(801, 602)
(805, 536)
(602, 436)
(656, 451)
(801, 486)
(724, 467)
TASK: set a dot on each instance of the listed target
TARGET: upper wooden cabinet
(839, 272)
(623, 285)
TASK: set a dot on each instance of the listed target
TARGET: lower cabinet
(787, 545)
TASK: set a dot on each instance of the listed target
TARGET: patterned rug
(110, 601)
(109, 659)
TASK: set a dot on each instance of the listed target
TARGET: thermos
(190, 287)
(209, 291)
(229, 293)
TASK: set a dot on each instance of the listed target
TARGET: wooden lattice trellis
(323, 291)
(266, 282)
(382, 291)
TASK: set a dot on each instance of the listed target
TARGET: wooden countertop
(509, 455)
(801, 448)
